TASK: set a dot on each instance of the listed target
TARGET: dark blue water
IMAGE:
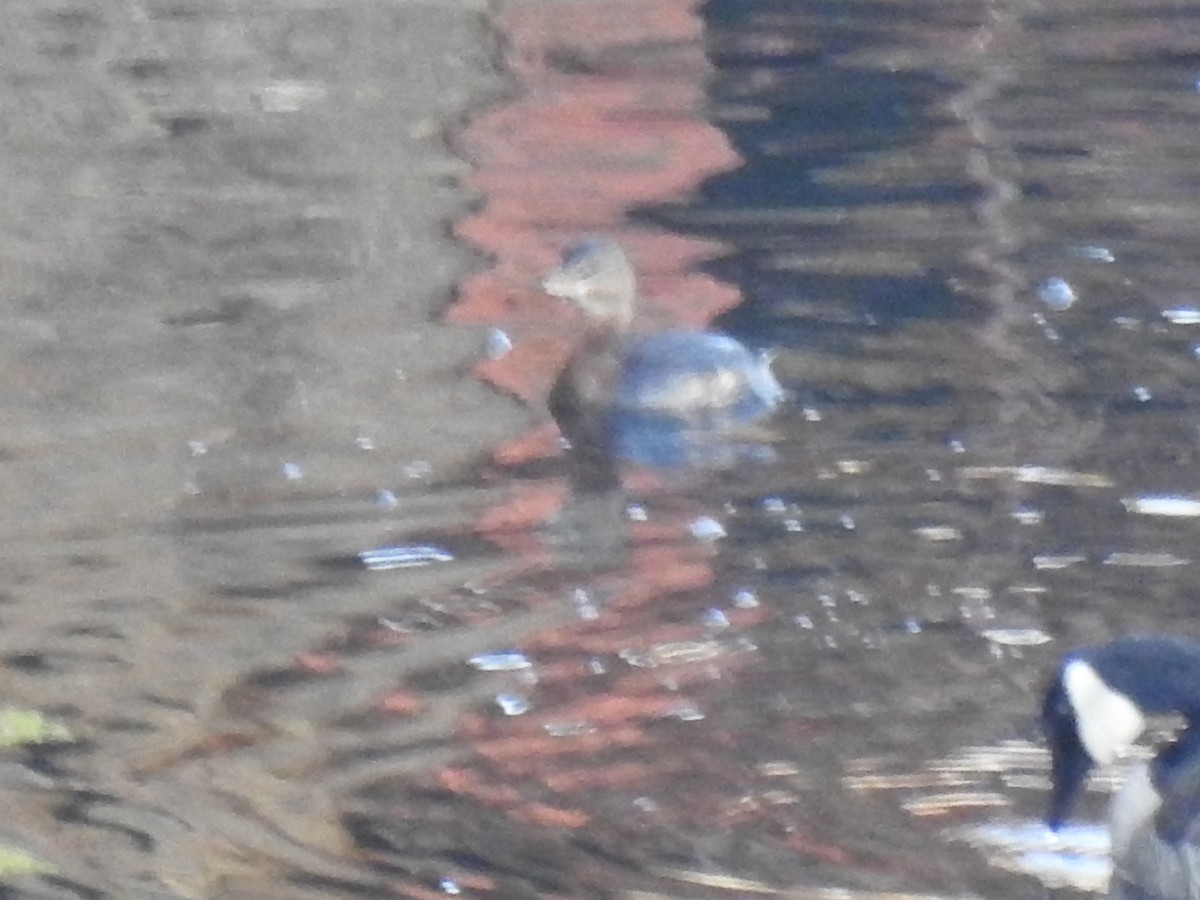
(969, 231)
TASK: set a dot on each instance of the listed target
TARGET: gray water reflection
(781, 680)
(215, 342)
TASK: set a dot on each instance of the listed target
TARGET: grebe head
(596, 275)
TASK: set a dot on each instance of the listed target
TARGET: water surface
(968, 230)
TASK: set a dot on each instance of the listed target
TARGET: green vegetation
(19, 727)
(25, 726)
(14, 862)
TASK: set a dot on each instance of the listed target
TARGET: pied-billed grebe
(1097, 705)
(661, 394)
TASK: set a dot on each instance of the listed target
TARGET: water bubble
(635, 512)
(364, 443)
(292, 472)
(386, 499)
(707, 528)
(773, 505)
(1057, 293)
(745, 598)
(497, 344)
(450, 886)
(715, 620)
(512, 704)
(1142, 393)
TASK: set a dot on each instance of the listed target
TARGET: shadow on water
(333, 668)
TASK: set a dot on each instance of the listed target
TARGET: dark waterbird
(1098, 704)
(662, 398)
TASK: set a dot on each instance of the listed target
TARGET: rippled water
(309, 644)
